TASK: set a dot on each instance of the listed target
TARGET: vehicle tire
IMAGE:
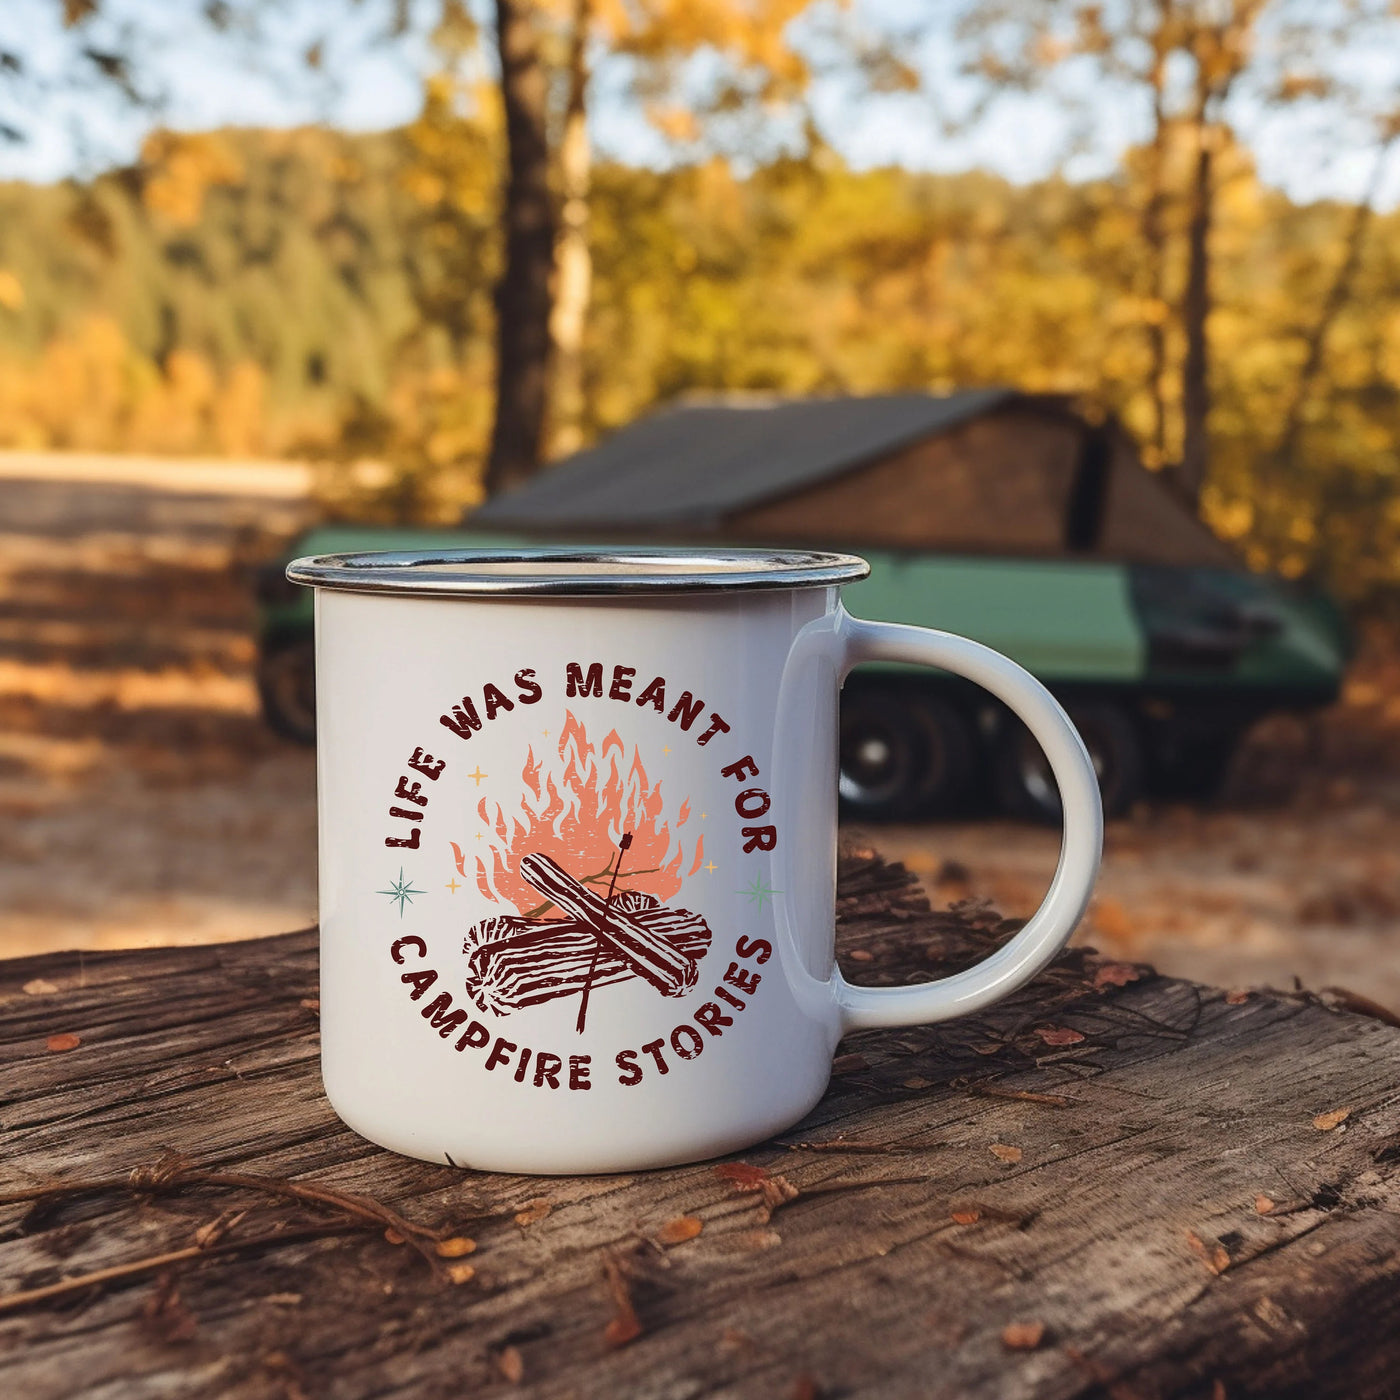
(287, 688)
(949, 755)
(1025, 787)
(902, 755)
(1196, 771)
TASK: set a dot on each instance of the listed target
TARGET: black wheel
(1196, 771)
(949, 754)
(902, 756)
(287, 688)
(1025, 787)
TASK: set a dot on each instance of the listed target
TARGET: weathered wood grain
(1128, 1227)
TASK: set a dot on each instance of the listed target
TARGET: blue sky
(367, 83)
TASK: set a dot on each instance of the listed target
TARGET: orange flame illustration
(576, 813)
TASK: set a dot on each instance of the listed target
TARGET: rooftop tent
(988, 471)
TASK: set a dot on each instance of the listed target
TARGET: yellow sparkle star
(703, 815)
(478, 836)
(452, 885)
(710, 866)
(545, 732)
(478, 775)
(666, 749)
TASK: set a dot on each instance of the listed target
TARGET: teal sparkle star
(401, 891)
(759, 891)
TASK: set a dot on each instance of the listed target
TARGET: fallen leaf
(1214, 1256)
(679, 1230)
(1116, 974)
(309, 1004)
(1237, 996)
(39, 987)
(532, 1212)
(1262, 1204)
(1325, 1122)
(511, 1364)
(461, 1273)
(990, 1049)
(1023, 1336)
(861, 955)
(744, 1176)
(970, 1216)
(918, 1082)
(393, 1236)
(1005, 1153)
(625, 1325)
(283, 1300)
(1059, 1035)
(849, 1064)
(65, 1041)
(455, 1247)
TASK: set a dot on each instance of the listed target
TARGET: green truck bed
(1163, 667)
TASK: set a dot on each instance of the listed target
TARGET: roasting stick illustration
(635, 938)
(622, 848)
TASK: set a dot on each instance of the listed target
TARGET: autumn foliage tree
(1185, 59)
(335, 296)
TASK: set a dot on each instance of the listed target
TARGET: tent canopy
(980, 471)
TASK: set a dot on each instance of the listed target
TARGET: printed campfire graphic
(588, 863)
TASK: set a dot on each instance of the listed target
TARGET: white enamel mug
(578, 848)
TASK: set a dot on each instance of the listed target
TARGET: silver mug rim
(573, 571)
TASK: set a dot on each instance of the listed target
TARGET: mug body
(560, 887)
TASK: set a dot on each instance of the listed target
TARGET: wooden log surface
(1148, 1182)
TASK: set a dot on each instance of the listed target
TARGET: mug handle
(1048, 930)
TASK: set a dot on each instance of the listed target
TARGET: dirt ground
(142, 801)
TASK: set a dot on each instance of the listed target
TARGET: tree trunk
(523, 292)
(1154, 236)
(1337, 296)
(1195, 313)
(573, 264)
(1221, 51)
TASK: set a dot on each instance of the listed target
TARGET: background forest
(314, 293)
(431, 246)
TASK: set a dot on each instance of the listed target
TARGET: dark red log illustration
(513, 961)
